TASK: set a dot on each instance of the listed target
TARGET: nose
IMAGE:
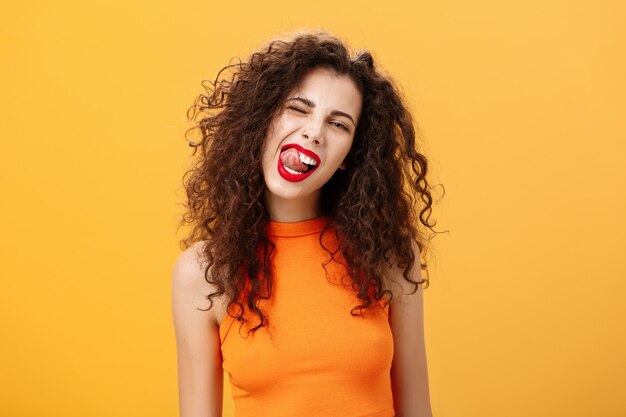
(313, 132)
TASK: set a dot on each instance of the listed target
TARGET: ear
(343, 165)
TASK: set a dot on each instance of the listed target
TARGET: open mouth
(296, 163)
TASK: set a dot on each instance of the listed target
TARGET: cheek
(274, 132)
(338, 155)
(282, 128)
(270, 145)
(345, 149)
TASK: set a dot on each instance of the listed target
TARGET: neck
(292, 210)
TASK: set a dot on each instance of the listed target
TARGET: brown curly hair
(373, 204)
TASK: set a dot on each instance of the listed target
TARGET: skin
(200, 375)
(313, 127)
(409, 371)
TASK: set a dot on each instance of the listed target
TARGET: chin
(287, 194)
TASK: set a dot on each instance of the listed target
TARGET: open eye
(341, 126)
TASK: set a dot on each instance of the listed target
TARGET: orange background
(522, 106)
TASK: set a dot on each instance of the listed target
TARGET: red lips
(297, 177)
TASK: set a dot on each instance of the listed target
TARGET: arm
(197, 340)
(409, 373)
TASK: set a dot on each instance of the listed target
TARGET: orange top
(320, 360)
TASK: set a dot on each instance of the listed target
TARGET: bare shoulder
(409, 372)
(189, 285)
(402, 289)
(187, 263)
(197, 337)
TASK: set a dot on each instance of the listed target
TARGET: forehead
(328, 89)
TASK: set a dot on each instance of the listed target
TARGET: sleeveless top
(317, 359)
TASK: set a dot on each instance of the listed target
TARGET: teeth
(291, 170)
(306, 160)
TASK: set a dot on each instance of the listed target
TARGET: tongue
(291, 159)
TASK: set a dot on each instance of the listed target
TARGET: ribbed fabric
(320, 361)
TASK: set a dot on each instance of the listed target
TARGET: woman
(307, 232)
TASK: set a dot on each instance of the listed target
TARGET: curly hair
(378, 206)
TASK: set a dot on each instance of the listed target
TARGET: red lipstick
(297, 177)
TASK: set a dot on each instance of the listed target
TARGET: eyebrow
(312, 105)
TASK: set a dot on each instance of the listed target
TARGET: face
(307, 142)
